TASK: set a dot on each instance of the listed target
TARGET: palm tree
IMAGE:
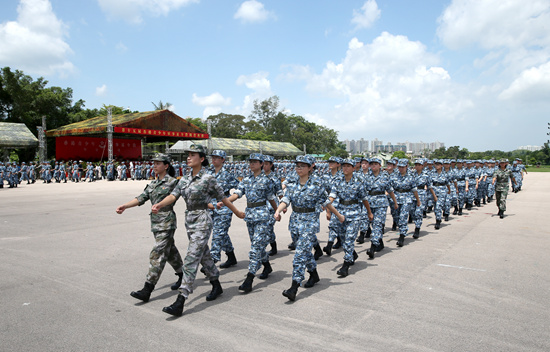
(162, 106)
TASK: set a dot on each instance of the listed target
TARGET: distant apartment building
(375, 146)
(531, 148)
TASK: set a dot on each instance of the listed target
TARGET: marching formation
(355, 194)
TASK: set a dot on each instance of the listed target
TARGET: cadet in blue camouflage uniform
(364, 224)
(423, 183)
(197, 188)
(377, 183)
(441, 186)
(462, 183)
(430, 201)
(2, 173)
(278, 190)
(473, 183)
(490, 186)
(404, 186)
(334, 226)
(501, 181)
(221, 215)
(392, 172)
(306, 196)
(350, 191)
(516, 171)
(163, 226)
(259, 196)
(24, 173)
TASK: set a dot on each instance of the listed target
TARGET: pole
(110, 134)
(209, 130)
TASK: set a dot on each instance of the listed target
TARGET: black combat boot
(176, 308)
(446, 215)
(313, 279)
(424, 215)
(483, 200)
(401, 241)
(416, 232)
(292, 246)
(437, 224)
(144, 293)
(338, 243)
(267, 270)
(178, 283)
(361, 237)
(456, 210)
(371, 250)
(231, 260)
(273, 250)
(369, 232)
(328, 248)
(380, 246)
(410, 219)
(343, 272)
(460, 211)
(394, 226)
(247, 284)
(318, 252)
(292, 291)
(216, 290)
(355, 256)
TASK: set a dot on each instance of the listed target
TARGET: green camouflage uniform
(197, 192)
(163, 226)
(502, 186)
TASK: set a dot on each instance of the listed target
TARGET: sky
(470, 73)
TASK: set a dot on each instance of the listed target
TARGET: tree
(162, 106)
(227, 125)
(265, 111)
(198, 122)
(399, 154)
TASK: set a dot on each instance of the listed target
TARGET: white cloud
(212, 99)
(101, 91)
(132, 11)
(391, 81)
(533, 84)
(369, 14)
(121, 48)
(252, 11)
(35, 43)
(260, 86)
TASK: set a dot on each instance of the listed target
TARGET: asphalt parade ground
(68, 263)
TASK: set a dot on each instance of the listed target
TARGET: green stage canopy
(241, 147)
(16, 135)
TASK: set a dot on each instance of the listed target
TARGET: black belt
(420, 187)
(439, 184)
(197, 207)
(302, 210)
(255, 205)
(402, 190)
(227, 194)
(349, 202)
(460, 179)
(376, 193)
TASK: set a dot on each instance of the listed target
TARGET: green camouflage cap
(165, 158)
(196, 148)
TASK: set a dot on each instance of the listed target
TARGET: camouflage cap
(403, 162)
(375, 160)
(334, 159)
(256, 156)
(419, 161)
(303, 159)
(503, 161)
(196, 148)
(348, 161)
(165, 158)
(218, 152)
(269, 158)
(391, 161)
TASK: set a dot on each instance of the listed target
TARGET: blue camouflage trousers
(364, 222)
(443, 198)
(335, 229)
(164, 251)
(303, 257)
(490, 189)
(394, 212)
(271, 235)
(472, 194)
(350, 227)
(403, 211)
(416, 211)
(258, 231)
(220, 236)
(197, 253)
(378, 223)
(461, 196)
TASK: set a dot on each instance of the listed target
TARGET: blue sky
(464, 72)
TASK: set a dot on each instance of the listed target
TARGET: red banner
(159, 133)
(95, 149)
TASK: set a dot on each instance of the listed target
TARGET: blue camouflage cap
(334, 159)
(375, 160)
(392, 161)
(256, 156)
(403, 162)
(438, 161)
(419, 161)
(219, 153)
(303, 159)
(348, 161)
(268, 158)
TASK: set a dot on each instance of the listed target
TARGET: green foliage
(198, 122)
(162, 106)
(399, 154)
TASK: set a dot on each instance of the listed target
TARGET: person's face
(402, 170)
(159, 167)
(438, 166)
(390, 167)
(255, 165)
(194, 159)
(217, 161)
(348, 169)
(302, 169)
(375, 167)
(267, 166)
(332, 165)
(418, 167)
(364, 165)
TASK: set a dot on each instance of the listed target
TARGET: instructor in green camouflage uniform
(163, 226)
(502, 176)
(198, 188)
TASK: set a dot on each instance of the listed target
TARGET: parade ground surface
(68, 263)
